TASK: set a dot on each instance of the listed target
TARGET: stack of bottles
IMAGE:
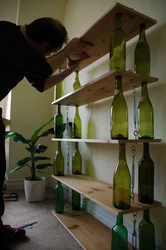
(119, 131)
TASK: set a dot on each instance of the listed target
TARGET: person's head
(49, 33)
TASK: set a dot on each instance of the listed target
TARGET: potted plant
(34, 186)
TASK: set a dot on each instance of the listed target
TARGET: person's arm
(55, 79)
(75, 47)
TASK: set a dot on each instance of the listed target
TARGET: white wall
(100, 160)
(30, 108)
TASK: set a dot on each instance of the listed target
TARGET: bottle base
(119, 137)
(121, 205)
(145, 137)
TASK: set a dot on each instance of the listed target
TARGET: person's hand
(73, 65)
(77, 49)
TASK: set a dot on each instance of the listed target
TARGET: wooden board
(103, 87)
(109, 141)
(101, 193)
(99, 33)
(89, 232)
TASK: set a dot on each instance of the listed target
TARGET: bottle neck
(119, 220)
(118, 21)
(122, 152)
(77, 111)
(76, 146)
(59, 146)
(59, 108)
(146, 215)
(59, 183)
(142, 31)
(144, 90)
(60, 70)
(118, 84)
(77, 76)
(146, 150)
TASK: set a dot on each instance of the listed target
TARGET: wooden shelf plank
(109, 141)
(101, 193)
(89, 232)
(99, 33)
(102, 87)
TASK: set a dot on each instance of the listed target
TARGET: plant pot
(34, 190)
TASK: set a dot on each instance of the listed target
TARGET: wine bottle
(76, 84)
(59, 92)
(58, 123)
(76, 161)
(119, 113)
(75, 200)
(118, 46)
(59, 198)
(145, 115)
(59, 161)
(142, 54)
(119, 235)
(122, 181)
(146, 177)
(146, 233)
(77, 125)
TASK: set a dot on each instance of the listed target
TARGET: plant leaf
(41, 172)
(46, 133)
(39, 148)
(39, 158)
(15, 169)
(24, 161)
(9, 134)
(43, 166)
(34, 137)
(16, 137)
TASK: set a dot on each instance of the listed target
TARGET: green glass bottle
(59, 161)
(119, 235)
(146, 177)
(119, 113)
(145, 115)
(59, 198)
(146, 233)
(122, 181)
(59, 89)
(75, 200)
(77, 84)
(142, 54)
(77, 125)
(58, 123)
(76, 161)
(118, 46)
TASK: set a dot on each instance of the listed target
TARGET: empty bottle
(59, 198)
(77, 84)
(146, 177)
(119, 113)
(146, 233)
(77, 125)
(118, 46)
(59, 92)
(58, 123)
(76, 160)
(59, 161)
(75, 200)
(119, 235)
(122, 181)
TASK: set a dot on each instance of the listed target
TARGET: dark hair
(48, 30)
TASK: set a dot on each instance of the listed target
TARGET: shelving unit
(101, 193)
(102, 87)
(89, 232)
(109, 141)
